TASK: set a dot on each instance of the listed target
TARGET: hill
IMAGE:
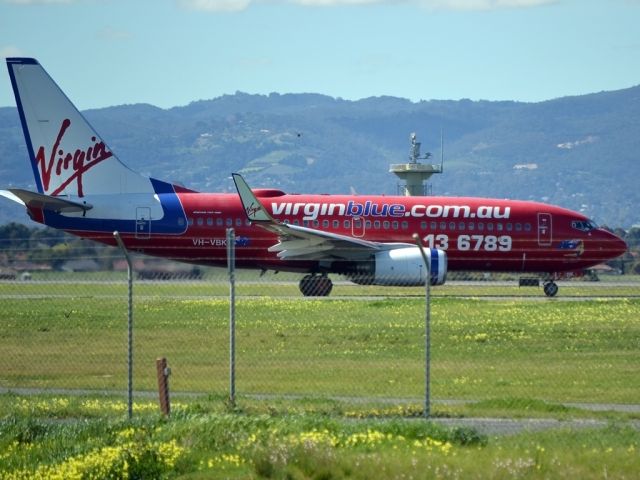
(578, 152)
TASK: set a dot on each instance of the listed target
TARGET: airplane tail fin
(68, 157)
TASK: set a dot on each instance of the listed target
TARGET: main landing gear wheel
(315, 285)
(550, 289)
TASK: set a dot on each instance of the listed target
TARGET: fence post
(231, 264)
(163, 373)
(129, 324)
(427, 322)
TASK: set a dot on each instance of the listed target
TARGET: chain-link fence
(64, 327)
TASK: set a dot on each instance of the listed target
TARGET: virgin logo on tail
(68, 167)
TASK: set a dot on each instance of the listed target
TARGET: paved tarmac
(483, 425)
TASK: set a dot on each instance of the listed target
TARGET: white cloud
(10, 51)
(239, 5)
(484, 4)
(434, 4)
(330, 3)
(37, 2)
(215, 5)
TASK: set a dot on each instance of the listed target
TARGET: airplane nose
(614, 246)
(619, 246)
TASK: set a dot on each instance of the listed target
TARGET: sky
(172, 52)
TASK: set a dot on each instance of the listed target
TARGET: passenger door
(545, 235)
(358, 226)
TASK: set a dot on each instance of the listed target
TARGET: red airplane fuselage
(476, 233)
(83, 188)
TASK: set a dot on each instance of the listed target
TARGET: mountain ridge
(580, 152)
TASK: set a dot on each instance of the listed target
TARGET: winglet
(252, 207)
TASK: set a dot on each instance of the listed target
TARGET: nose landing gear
(316, 285)
(550, 288)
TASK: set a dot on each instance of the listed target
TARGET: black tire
(315, 285)
(550, 289)
(323, 286)
(306, 285)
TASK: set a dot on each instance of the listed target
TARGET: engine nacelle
(404, 266)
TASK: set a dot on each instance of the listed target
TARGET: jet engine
(404, 267)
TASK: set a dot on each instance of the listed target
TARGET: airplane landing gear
(315, 286)
(550, 288)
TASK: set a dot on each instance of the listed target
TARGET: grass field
(557, 351)
(326, 388)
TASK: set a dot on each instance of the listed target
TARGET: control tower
(415, 173)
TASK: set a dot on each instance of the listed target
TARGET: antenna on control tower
(415, 173)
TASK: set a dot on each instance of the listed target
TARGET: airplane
(84, 189)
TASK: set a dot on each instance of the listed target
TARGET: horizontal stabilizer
(46, 202)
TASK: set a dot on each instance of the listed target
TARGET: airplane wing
(47, 202)
(303, 243)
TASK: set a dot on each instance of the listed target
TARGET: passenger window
(325, 224)
(443, 225)
(527, 227)
(472, 226)
(190, 221)
(395, 225)
(376, 224)
(461, 226)
(423, 225)
(347, 224)
(238, 222)
(181, 221)
(386, 224)
(434, 226)
(367, 224)
(499, 227)
(481, 226)
(509, 227)
(490, 227)
(405, 224)
(210, 221)
(200, 221)
(336, 224)
(518, 227)
(452, 225)
(229, 222)
(219, 222)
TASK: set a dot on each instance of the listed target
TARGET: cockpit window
(584, 225)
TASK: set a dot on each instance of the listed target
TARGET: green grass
(327, 388)
(550, 350)
(86, 437)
